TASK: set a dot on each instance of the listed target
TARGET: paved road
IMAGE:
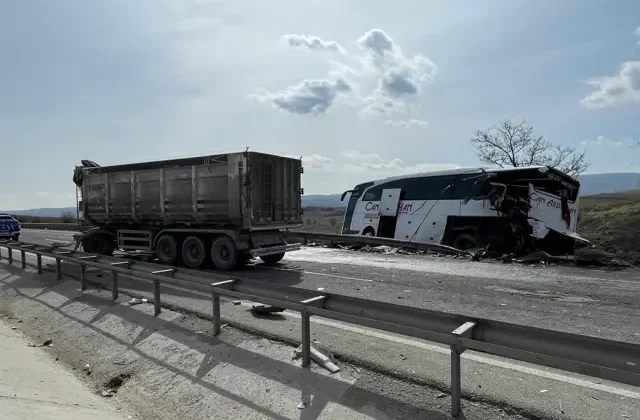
(584, 301)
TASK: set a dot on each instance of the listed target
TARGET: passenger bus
(508, 209)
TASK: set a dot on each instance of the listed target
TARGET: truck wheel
(224, 253)
(167, 249)
(272, 259)
(193, 252)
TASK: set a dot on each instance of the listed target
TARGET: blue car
(9, 227)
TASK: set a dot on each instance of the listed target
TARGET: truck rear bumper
(272, 250)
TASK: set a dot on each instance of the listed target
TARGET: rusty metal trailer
(225, 208)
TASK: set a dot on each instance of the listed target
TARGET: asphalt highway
(597, 302)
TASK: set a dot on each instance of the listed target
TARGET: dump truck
(223, 209)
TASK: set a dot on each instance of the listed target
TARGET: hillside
(612, 223)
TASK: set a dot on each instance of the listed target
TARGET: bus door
(388, 212)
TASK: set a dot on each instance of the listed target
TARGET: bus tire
(167, 250)
(224, 254)
(464, 241)
(369, 231)
(272, 259)
(194, 252)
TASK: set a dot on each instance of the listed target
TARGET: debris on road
(265, 309)
(301, 406)
(319, 358)
(47, 343)
(237, 302)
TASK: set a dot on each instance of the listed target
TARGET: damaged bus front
(503, 210)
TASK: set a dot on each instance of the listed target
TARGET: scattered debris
(320, 289)
(403, 357)
(265, 309)
(319, 358)
(109, 393)
(301, 406)
(14, 328)
(134, 301)
(237, 302)
(441, 395)
(544, 390)
(47, 343)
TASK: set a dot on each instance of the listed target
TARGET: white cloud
(398, 75)
(602, 141)
(359, 162)
(381, 105)
(317, 162)
(307, 97)
(412, 122)
(312, 43)
(613, 90)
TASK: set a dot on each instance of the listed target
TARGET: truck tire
(100, 244)
(224, 253)
(272, 259)
(167, 249)
(194, 253)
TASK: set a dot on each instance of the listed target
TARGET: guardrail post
(156, 298)
(114, 285)
(10, 255)
(465, 330)
(456, 389)
(83, 275)
(306, 339)
(215, 297)
(39, 262)
(59, 268)
(23, 259)
(216, 313)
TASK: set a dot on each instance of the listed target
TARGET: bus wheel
(167, 249)
(272, 259)
(193, 252)
(368, 231)
(464, 241)
(224, 253)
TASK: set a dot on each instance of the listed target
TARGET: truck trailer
(224, 209)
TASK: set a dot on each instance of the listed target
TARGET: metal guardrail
(50, 226)
(606, 359)
(305, 237)
(334, 238)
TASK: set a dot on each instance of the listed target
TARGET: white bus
(505, 209)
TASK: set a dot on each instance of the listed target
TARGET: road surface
(595, 302)
(559, 298)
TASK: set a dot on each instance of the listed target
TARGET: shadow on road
(324, 389)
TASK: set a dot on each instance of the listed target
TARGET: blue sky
(360, 89)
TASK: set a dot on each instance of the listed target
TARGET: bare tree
(67, 217)
(509, 144)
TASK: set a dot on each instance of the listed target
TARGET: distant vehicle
(9, 227)
(510, 209)
(225, 208)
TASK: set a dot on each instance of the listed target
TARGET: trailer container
(225, 208)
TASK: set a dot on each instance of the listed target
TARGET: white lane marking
(320, 274)
(469, 355)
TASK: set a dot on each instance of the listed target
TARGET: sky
(359, 89)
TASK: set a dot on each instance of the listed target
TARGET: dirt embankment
(615, 229)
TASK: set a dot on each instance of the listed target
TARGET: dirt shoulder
(170, 366)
